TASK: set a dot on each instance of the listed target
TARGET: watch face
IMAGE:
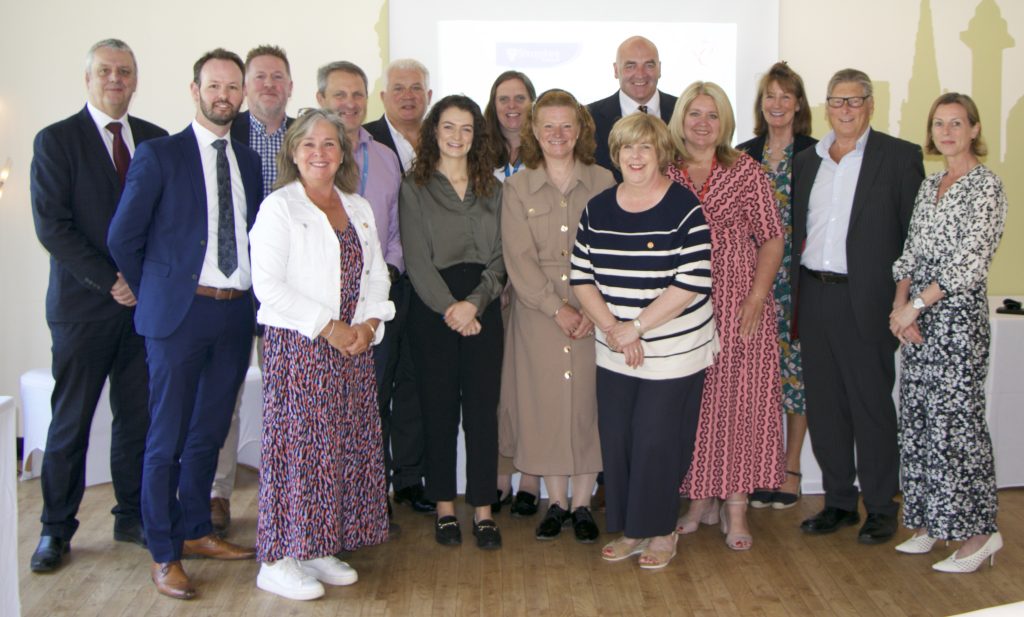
(918, 303)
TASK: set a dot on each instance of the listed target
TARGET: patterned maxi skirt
(322, 484)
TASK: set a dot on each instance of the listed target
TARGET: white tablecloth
(10, 603)
(37, 387)
(1004, 390)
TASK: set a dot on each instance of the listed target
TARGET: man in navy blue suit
(638, 69)
(180, 236)
(78, 170)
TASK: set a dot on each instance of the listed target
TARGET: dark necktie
(643, 109)
(227, 249)
(121, 157)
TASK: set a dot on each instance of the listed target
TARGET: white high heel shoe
(971, 562)
(917, 545)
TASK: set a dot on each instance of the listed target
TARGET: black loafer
(49, 554)
(496, 506)
(414, 496)
(447, 532)
(583, 525)
(525, 504)
(488, 537)
(130, 531)
(552, 523)
(761, 499)
(829, 520)
(877, 528)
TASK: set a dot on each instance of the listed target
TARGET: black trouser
(849, 381)
(84, 355)
(647, 431)
(457, 371)
(400, 417)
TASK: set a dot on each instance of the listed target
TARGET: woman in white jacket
(322, 284)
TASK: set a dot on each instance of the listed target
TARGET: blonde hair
(978, 147)
(347, 176)
(638, 129)
(724, 151)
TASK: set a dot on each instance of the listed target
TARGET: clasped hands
(350, 340)
(461, 317)
(903, 324)
(573, 323)
(622, 337)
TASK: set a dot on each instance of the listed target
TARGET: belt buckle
(222, 294)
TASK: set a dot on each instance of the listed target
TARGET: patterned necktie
(643, 109)
(227, 249)
(122, 159)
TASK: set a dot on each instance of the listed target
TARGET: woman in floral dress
(941, 318)
(320, 276)
(782, 123)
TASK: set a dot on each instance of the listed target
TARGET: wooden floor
(787, 572)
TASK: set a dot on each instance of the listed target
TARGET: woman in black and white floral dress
(941, 319)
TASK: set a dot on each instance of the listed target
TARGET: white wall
(42, 46)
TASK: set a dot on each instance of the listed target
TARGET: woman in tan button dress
(550, 429)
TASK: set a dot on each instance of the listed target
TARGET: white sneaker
(330, 570)
(287, 579)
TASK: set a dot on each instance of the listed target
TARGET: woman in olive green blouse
(449, 212)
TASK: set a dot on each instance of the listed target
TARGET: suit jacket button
(195, 277)
(202, 242)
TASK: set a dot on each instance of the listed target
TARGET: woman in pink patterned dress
(739, 435)
(318, 271)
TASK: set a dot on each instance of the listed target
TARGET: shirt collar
(826, 142)
(629, 106)
(102, 119)
(262, 128)
(205, 136)
(537, 178)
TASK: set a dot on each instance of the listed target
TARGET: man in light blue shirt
(852, 200)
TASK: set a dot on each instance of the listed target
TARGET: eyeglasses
(836, 102)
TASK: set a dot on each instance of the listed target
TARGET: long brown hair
(791, 82)
(498, 143)
(479, 159)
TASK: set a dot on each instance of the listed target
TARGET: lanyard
(509, 171)
(366, 169)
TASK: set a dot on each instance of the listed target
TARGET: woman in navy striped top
(641, 271)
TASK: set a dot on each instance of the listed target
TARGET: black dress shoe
(130, 531)
(525, 504)
(552, 523)
(583, 525)
(488, 537)
(496, 506)
(829, 520)
(447, 532)
(49, 554)
(877, 528)
(413, 495)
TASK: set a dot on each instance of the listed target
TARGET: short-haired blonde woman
(640, 270)
(320, 276)
(941, 319)
(739, 439)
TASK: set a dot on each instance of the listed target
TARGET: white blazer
(296, 263)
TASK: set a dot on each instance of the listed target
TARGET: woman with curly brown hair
(448, 212)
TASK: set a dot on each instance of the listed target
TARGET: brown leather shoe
(220, 514)
(170, 579)
(213, 546)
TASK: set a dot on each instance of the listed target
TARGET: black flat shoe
(447, 532)
(583, 525)
(414, 496)
(49, 554)
(525, 504)
(496, 506)
(488, 537)
(552, 523)
(782, 500)
(130, 531)
(877, 528)
(829, 520)
(761, 499)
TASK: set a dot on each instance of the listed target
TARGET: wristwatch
(918, 303)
